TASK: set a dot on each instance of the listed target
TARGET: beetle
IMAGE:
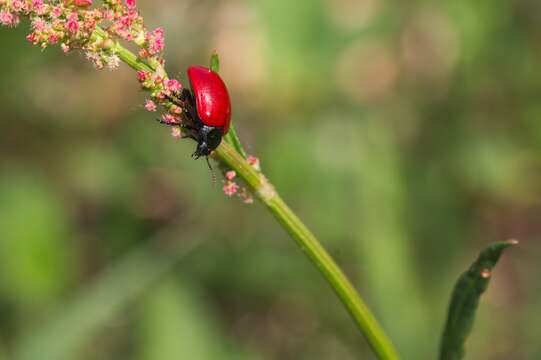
(206, 109)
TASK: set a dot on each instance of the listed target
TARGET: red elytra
(211, 97)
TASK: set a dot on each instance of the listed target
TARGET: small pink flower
(252, 160)
(175, 109)
(95, 58)
(150, 105)
(230, 175)
(130, 4)
(8, 19)
(31, 38)
(134, 14)
(53, 38)
(56, 12)
(17, 5)
(108, 15)
(82, 3)
(37, 3)
(170, 119)
(143, 76)
(176, 132)
(124, 22)
(113, 62)
(155, 40)
(143, 53)
(172, 85)
(39, 7)
(39, 24)
(230, 188)
(73, 23)
(65, 48)
(245, 196)
(159, 94)
(247, 199)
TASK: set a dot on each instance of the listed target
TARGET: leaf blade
(215, 62)
(77, 321)
(465, 300)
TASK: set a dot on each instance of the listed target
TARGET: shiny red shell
(211, 97)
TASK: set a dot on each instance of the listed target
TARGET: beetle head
(208, 139)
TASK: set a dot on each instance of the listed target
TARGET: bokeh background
(406, 134)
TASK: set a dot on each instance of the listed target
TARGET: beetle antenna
(211, 171)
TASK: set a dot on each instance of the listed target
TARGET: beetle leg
(168, 123)
(175, 100)
(182, 126)
(188, 127)
(186, 101)
(186, 95)
(180, 99)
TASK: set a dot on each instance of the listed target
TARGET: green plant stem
(362, 315)
(264, 190)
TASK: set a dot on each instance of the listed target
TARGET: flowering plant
(75, 25)
(97, 32)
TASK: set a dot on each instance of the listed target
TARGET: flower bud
(82, 3)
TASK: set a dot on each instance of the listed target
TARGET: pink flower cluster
(252, 160)
(161, 90)
(126, 22)
(231, 188)
(8, 19)
(73, 24)
(154, 43)
(95, 31)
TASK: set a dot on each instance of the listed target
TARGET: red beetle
(207, 109)
(211, 97)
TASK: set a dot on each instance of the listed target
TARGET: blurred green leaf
(386, 263)
(465, 299)
(175, 323)
(2, 352)
(178, 323)
(215, 62)
(77, 322)
(36, 254)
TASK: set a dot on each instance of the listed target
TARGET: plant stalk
(225, 153)
(363, 317)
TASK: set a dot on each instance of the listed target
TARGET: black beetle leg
(181, 98)
(185, 136)
(182, 126)
(186, 95)
(163, 122)
(174, 100)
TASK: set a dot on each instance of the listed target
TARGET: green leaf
(215, 62)
(465, 299)
(78, 321)
(176, 322)
(233, 139)
(36, 261)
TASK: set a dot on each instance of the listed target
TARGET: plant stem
(226, 154)
(362, 315)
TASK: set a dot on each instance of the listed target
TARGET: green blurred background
(405, 133)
